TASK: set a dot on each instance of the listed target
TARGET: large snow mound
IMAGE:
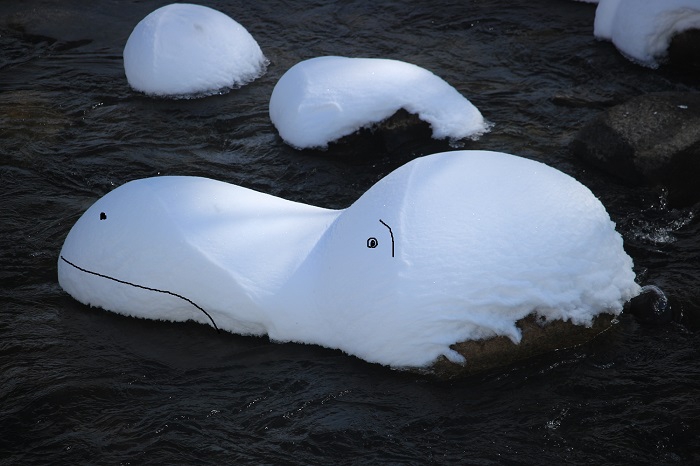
(642, 29)
(182, 50)
(320, 100)
(450, 247)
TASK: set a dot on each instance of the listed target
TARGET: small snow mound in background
(321, 100)
(185, 50)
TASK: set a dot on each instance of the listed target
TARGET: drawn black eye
(103, 216)
(372, 242)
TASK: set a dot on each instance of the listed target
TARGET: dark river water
(84, 386)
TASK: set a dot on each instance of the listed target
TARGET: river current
(84, 386)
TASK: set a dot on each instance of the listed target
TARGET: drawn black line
(392, 236)
(143, 288)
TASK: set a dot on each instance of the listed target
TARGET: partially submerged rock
(684, 51)
(185, 51)
(650, 306)
(651, 139)
(452, 247)
(643, 30)
(319, 101)
(401, 135)
(537, 339)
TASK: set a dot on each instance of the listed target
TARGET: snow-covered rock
(185, 50)
(452, 247)
(320, 100)
(643, 29)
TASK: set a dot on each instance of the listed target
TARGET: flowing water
(84, 386)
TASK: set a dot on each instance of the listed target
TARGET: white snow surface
(320, 100)
(186, 50)
(642, 29)
(450, 247)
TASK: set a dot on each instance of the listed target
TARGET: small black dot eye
(103, 216)
(372, 243)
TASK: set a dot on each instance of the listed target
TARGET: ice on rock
(320, 100)
(450, 247)
(186, 50)
(642, 29)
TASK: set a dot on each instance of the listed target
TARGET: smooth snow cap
(320, 100)
(642, 29)
(185, 50)
(450, 247)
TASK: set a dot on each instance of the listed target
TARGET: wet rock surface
(684, 51)
(652, 139)
(403, 136)
(537, 338)
(650, 307)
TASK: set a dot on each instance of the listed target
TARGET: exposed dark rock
(537, 339)
(404, 130)
(684, 50)
(651, 139)
(650, 306)
(401, 134)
